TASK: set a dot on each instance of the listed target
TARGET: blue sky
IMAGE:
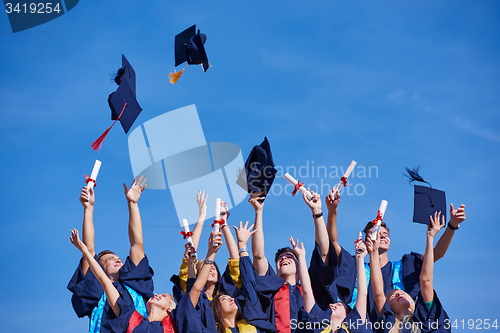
(390, 84)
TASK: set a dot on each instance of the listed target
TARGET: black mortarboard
(117, 101)
(259, 170)
(189, 46)
(427, 200)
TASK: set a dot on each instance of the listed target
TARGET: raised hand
(299, 250)
(332, 200)
(214, 242)
(457, 216)
(256, 200)
(201, 200)
(315, 202)
(436, 223)
(87, 198)
(133, 194)
(244, 232)
(75, 240)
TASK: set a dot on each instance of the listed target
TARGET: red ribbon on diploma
(220, 222)
(88, 180)
(378, 219)
(296, 187)
(344, 180)
(186, 234)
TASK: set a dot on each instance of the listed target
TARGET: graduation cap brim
(126, 73)
(259, 173)
(116, 102)
(180, 42)
(427, 201)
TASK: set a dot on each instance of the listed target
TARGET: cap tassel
(413, 175)
(97, 144)
(175, 76)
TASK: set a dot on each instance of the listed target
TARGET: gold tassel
(175, 76)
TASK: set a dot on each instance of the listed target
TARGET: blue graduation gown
(86, 288)
(267, 287)
(191, 319)
(432, 320)
(334, 280)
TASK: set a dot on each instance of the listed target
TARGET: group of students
(336, 292)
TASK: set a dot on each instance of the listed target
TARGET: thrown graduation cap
(427, 200)
(189, 47)
(259, 172)
(123, 103)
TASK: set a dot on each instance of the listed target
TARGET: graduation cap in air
(427, 200)
(123, 103)
(259, 172)
(189, 47)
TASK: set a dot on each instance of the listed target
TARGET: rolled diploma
(360, 238)
(189, 240)
(294, 182)
(347, 173)
(381, 209)
(93, 175)
(217, 215)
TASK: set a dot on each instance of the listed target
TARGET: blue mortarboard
(123, 103)
(189, 47)
(259, 170)
(427, 200)
(117, 100)
(126, 73)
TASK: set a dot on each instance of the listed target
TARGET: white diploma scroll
(93, 175)
(359, 240)
(294, 182)
(379, 218)
(346, 175)
(189, 239)
(217, 216)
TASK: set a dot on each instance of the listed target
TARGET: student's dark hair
(284, 250)
(102, 253)
(218, 315)
(369, 225)
(219, 276)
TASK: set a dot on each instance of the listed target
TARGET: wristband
(208, 261)
(244, 249)
(452, 227)
(317, 216)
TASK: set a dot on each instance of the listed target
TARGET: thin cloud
(468, 126)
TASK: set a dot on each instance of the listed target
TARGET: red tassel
(97, 144)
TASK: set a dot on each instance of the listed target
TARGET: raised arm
(361, 275)
(248, 287)
(457, 216)
(214, 243)
(133, 194)
(305, 280)
(427, 273)
(87, 199)
(332, 201)
(232, 248)
(201, 200)
(320, 234)
(111, 293)
(259, 257)
(376, 274)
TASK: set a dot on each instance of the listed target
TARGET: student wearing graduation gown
(338, 317)
(396, 311)
(216, 282)
(279, 292)
(191, 315)
(402, 274)
(242, 313)
(132, 278)
(332, 280)
(125, 318)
